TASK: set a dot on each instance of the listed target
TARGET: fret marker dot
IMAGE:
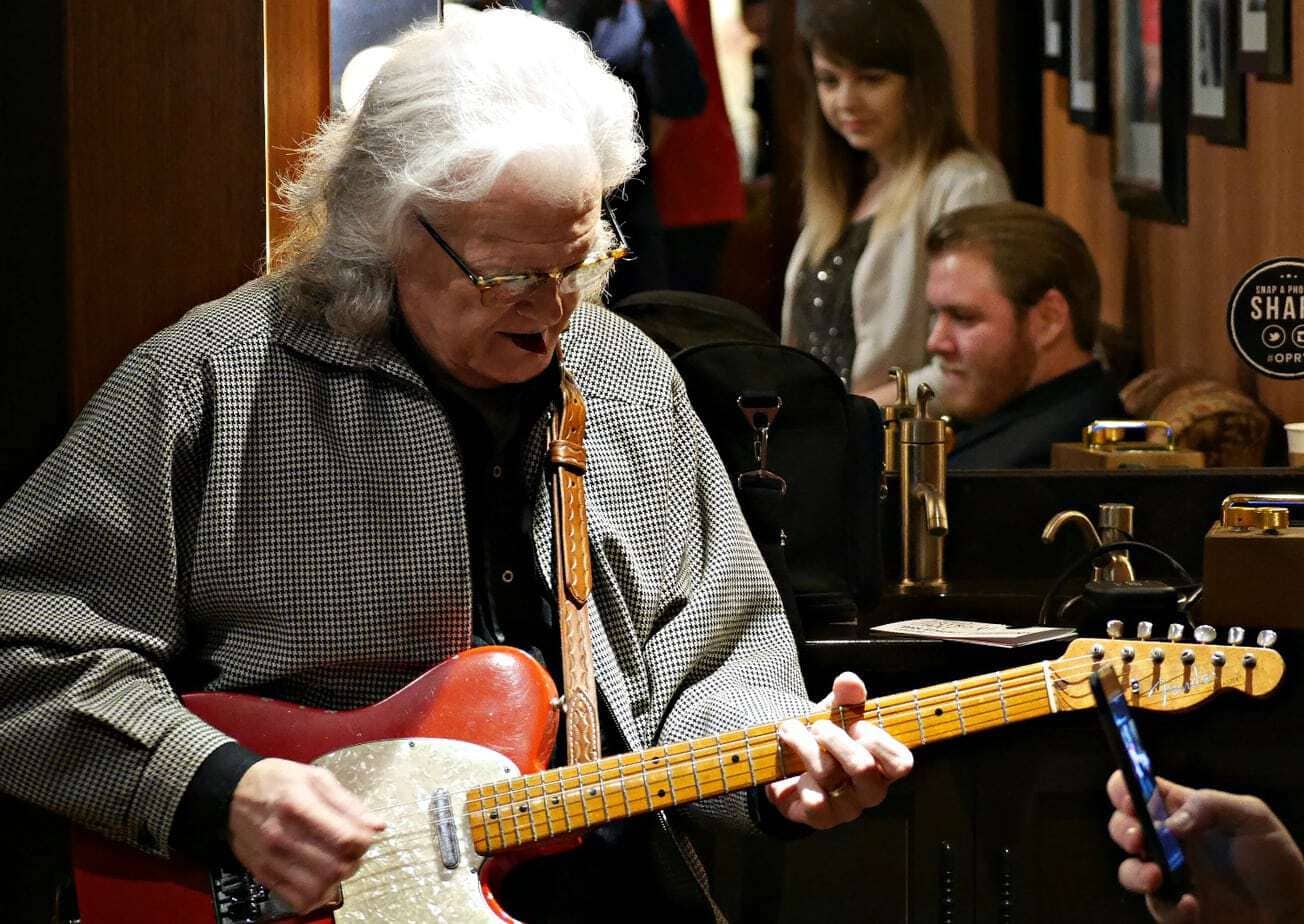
(556, 800)
(523, 808)
(937, 711)
(736, 758)
(661, 793)
(593, 791)
(493, 814)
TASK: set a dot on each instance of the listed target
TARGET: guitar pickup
(441, 816)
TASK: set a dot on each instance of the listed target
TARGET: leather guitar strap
(574, 574)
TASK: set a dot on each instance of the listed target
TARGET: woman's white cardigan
(887, 287)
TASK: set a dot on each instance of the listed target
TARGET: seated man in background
(1016, 298)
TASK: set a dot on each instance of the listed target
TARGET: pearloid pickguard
(403, 879)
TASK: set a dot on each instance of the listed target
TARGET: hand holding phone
(1160, 845)
(1244, 864)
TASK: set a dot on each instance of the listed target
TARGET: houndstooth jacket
(252, 502)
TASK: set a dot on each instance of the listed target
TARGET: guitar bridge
(239, 898)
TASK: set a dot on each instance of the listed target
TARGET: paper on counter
(976, 633)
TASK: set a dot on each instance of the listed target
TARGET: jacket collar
(312, 337)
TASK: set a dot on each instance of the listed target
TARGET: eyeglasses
(508, 288)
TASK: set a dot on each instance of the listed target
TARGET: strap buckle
(759, 410)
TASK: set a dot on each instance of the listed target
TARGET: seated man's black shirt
(1020, 434)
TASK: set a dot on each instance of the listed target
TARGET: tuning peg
(1175, 631)
(1143, 630)
(1114, 628)
(1235, 636)
(1267, 638)
(1205, 634)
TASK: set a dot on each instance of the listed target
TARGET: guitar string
(1028, 677)
(620, 784)
(673, 773)
(513, 830)
(567, 787)
(688, 759)
(977, 697)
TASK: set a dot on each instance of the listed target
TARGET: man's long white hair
(453, 106)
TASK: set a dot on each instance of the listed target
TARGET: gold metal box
(1108, 445)
(1254, 563)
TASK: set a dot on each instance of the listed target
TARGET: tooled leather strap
(574, 574)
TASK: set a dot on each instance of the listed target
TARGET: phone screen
(1135, 763)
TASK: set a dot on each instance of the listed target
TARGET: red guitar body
(497, 697)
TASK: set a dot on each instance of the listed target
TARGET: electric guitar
(454, 762)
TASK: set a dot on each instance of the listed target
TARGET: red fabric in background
(695, 172)
(1150, 22)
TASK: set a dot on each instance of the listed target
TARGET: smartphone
(1161, 846)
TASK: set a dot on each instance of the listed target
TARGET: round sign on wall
(1265, 318)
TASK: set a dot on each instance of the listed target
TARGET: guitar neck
(566, 800)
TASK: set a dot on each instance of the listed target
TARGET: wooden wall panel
(1172, 282)
(298, 89)
(166, 175)
(1077, 170)
(968, 29)
(788, 86)
(33, 366)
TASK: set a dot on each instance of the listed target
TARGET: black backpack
(820, 535)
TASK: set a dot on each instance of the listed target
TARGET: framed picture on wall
(1265, 38)
(1055, 35)
(1149, 48)
(1089, 63)
(1217, 86)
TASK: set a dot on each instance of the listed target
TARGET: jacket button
(508, 577)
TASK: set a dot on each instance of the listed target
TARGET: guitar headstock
(1169, 675)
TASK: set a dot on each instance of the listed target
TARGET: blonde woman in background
(885, 156)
